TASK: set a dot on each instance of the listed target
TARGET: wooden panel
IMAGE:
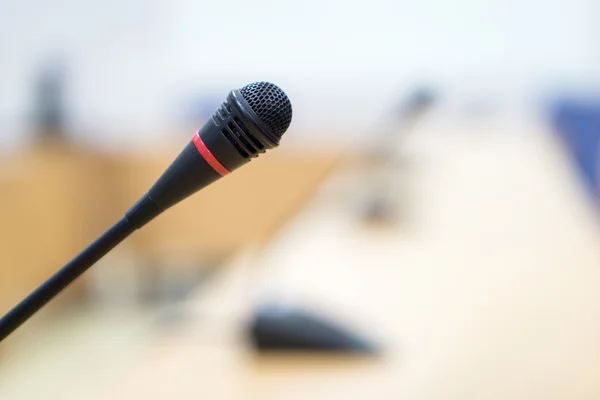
(56, 200)
(51, 207)
(248, 205)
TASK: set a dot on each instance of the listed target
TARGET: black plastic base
(283, 329)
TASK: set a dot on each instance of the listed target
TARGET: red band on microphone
(208, 156)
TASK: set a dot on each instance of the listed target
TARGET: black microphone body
(249, 122)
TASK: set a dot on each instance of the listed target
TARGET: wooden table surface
(491, 290)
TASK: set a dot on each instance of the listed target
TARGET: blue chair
(578, 124)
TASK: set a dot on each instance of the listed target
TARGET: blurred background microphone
(49, 102)
(387, 170)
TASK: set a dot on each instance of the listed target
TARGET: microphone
(250, 121)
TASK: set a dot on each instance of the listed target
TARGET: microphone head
(249, 122)
(254, 118)
(270, 104)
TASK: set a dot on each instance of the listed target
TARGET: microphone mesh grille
(270, 104)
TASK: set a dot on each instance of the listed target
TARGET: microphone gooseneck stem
(65, 276)
(246, 125)
(139, 215)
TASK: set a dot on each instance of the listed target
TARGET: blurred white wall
(134, 64)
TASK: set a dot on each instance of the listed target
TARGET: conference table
(490, 289)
